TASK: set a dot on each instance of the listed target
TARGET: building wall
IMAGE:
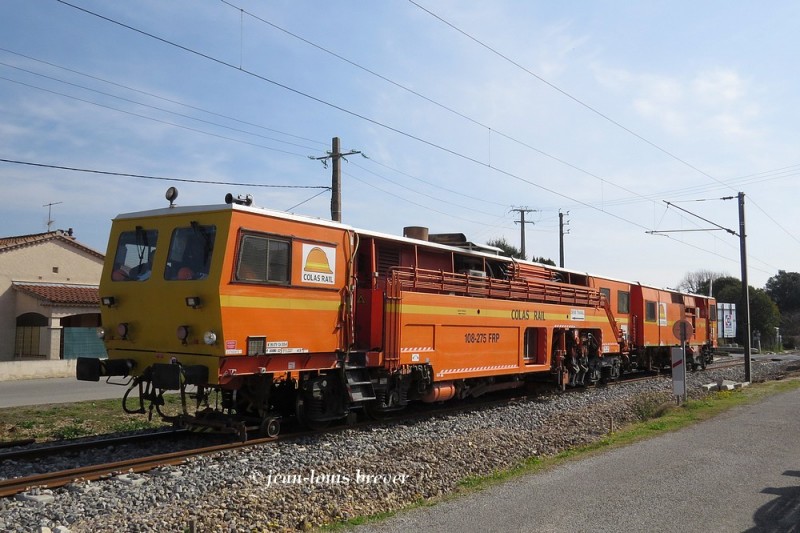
(36, 263)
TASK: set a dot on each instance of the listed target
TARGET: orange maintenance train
(256, 316)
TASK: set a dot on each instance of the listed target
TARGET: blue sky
(600, 109)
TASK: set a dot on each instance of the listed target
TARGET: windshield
(190, 252)
(134, 258)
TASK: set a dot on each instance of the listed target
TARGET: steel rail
(78, 445)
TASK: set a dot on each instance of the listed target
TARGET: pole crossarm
(743, 262)
(670, 204)
(656, 232)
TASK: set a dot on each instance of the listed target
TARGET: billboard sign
(726, 317)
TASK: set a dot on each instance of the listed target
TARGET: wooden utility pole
(336, 177)
(745, 289)
(522, 222)
(561, 234)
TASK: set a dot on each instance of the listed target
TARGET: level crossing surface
(738, 472)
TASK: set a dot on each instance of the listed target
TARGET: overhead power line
(381, 124)
(568, 95)
(345, 110)
(159, 97)
(432, 101)
(163, 178)
(161, 109)
(650, 198)
(168, 123)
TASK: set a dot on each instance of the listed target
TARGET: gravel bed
(315, 480)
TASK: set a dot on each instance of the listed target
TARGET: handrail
(543, 291)
(612, 319)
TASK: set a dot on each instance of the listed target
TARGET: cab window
(190, 252)
(133, 260)
(263, 259)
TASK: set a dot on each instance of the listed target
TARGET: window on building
(31, 327)
(623, 302)
(263, 259)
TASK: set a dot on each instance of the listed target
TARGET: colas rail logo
(319, 264)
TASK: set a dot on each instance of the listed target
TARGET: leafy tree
(784, 288)
(764, 313)
(510, 250)
(544, 261)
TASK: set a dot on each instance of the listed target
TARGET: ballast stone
(131, 479)
(40, 497)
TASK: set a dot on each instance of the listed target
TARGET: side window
(606, 292)
(190, 252)
(649, 311)
(623, 302)
(263, 259)
(712, 313)
(133, 260)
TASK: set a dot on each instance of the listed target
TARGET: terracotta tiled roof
(61, 293)
(11, 243)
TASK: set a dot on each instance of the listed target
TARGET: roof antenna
(50, 220)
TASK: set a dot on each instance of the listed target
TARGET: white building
(49, 300)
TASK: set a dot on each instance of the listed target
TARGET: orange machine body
(272, 309)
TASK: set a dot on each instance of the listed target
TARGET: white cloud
(716, 103)
(720, 86)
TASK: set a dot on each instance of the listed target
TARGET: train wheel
(270, 427)
(305, 420)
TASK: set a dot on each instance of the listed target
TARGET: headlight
(122, 329)
(101, 333)
(183, 333)
(210, 337)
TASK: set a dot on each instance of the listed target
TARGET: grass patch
(72, 420)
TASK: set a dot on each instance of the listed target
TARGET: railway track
(10, 487)
(21, 450)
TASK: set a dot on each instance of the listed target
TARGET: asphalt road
(738, 472)
(56, 390)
